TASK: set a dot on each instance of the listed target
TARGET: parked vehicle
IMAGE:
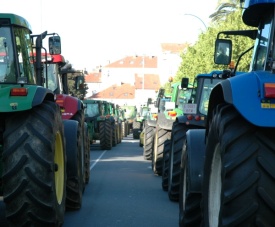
(130, 115)
(33, 148)
(171, 110)
(230, 175)
(150, 124)
(76, 134)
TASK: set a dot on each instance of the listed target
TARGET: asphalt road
(122, 192)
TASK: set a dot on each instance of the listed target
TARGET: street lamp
(188, 14)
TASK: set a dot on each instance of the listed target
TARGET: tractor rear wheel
(148, 142)
(177, 139)
(87, 154)
(34, 167)
(75, 165)
(165, 165)
(161, 136)
(105, 134)
(237, 182)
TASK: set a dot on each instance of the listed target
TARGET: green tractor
(150, 126)
(98, 115)
(138, 124)
(130, 115)
(32, 146)
(117, 126)
(92, 112)
(169, 110)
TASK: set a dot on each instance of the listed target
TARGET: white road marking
(93, 165)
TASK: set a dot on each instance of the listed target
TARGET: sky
(98, 31)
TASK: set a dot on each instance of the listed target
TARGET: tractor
(76, 132)
(92, 112)
(171, 109)
(231, 173)
(130, 115)
(195, 114)
(150, 125)
(32, 144)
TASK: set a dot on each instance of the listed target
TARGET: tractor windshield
(9, 72)
(183, 97)
(92, 109)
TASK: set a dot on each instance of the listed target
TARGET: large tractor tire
(161, 136)
(165, 165)
(136, 124)
(238, 184)
(119, 137)
(136, 129)
(34, 167)
(190, 192)
(105, 134)
(75, 164)
(148, 142)
(87, 154)
(136, 133)
(123, 129)
(79, 117)
(177, 138)
(115, 134)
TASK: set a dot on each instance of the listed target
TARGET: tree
(199, 58)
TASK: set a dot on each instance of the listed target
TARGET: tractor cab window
(208, 85)
(261, 46)
(52, 75)
(7, 64)
(24, 51)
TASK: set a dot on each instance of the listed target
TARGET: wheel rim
(59, 172)
(215, 185)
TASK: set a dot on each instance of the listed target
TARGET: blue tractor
(228, 167)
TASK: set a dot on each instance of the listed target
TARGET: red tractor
(76, 131)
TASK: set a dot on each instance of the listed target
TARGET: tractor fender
(70, 132)
(196, 153)
(71, 105)
(42, 94)
(152, 123)
(246, 93)
(164, 123)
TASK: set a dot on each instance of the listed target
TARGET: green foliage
(199, 58)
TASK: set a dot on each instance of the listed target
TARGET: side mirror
(55, 45)
(184, 82)
(223, 52)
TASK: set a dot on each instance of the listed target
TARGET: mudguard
(70, 131)
(246, 93)
(35, 96)
(151, 122)
(196, 153)
(69, 105)
(164, 123)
